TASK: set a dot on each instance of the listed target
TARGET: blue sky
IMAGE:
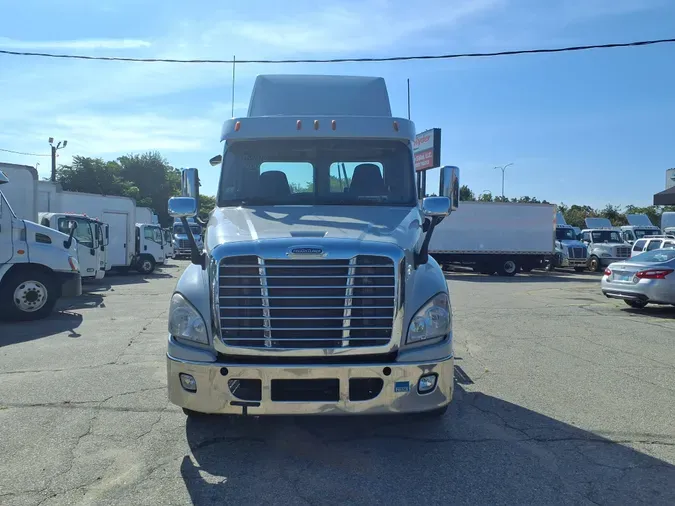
(588, 127)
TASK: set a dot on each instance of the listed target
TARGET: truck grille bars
(299, 304)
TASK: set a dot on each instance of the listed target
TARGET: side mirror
(436, 206)
(449, 185)
(72, 225)
(182, 207)
(216, 160)
(189, 185)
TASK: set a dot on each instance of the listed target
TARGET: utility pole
(503, 168)
(60, 145)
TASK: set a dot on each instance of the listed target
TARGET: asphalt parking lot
(563, 397)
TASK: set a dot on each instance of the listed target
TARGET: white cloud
(89, 44)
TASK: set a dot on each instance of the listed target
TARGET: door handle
(145, 248)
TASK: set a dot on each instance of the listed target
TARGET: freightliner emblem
(306, 251)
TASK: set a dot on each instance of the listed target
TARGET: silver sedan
(648, 278)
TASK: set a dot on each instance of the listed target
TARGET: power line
(352, 60)
(21, 153)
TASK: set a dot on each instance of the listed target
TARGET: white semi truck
(315, 293)
(496, 237)
(668, 222)
(639, 226)
(605, 243)
(38, 265)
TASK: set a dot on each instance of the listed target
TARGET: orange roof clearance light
(237, 126)
(333, 124)
(298, 125)
(316, 124)
(395, 126)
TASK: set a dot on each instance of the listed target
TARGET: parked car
(650, 244)
(643, 279)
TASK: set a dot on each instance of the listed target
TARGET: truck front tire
(507, 267)
(594, 264)
(145, 265)
(28, 294)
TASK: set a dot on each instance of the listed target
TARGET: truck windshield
(606, 236)
(82, 234)
(178, 229)
(317, 172)
(642, 232)
(565, 234)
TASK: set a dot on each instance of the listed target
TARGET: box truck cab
(639, 227)
(315, 293)
(181, 243)
(604, 242)
(90, 237)
(149, 247)
(37, 265)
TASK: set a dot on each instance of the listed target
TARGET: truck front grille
(306, 303)
(577, 252)
(623, 252)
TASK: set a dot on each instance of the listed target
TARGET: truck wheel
(146, 265)
(579, 269)
(28, 295)
(508, 267)
(594, 264)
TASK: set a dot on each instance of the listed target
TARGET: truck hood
(396, 225)
(572, 244)
(57, 237)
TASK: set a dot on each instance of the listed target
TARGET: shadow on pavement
(484, 451)
(57, 322)
(120, 279)
(666, 312)
(532, 277)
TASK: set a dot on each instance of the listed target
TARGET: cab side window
(654, 245)
(639, 245)
(586, 237)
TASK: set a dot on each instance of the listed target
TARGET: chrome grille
(294, 303)
(183, 244)
(623, 252)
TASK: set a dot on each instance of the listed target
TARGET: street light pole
(60, 145)
(503, 168)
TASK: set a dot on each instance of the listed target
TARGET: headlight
(185, 322)
(432, 321)
(605, 255)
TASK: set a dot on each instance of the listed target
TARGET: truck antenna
(408, 98)
(234, 64)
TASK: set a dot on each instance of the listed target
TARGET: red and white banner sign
(427, 149)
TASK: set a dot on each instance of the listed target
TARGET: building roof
(665, 198)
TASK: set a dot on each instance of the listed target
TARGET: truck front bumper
(578, 262)
(337, 389)
(71, 284)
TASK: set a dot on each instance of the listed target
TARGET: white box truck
(496, 237)
(38, 265)
(128, 243)
(28, 196)
(315, 293)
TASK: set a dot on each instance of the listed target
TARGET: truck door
(151, 241)
(117, 238)
(87, 244)
(6, 246)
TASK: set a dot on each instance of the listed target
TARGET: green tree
(206, 205)
(466, 194)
